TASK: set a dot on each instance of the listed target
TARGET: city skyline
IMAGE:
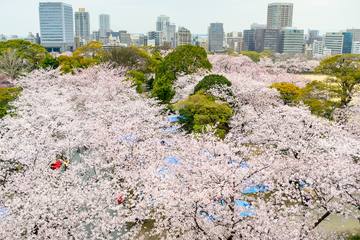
(235, 15)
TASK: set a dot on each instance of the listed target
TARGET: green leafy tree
(139, 80)
(92, 50)
(184, 59)
(345, 75)
(255, 56)
(211, 81)
(6, 96)
(32, 53)
(133, 58)
(199, 111)
(289, 92)
(317, 95)
(12, 65)
(49, 62)
(163, 89)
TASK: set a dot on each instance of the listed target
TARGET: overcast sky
(138, 16)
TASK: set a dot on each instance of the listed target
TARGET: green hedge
(210, 82)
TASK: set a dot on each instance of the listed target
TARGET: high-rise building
(56, 26)
(183, 36)
(334, 42)
(82, 25)
(170, 33)
(104, 25)
(348, 42)
(279, 15)
(317, 48)
(355, 33)
(259, 39)
(162, 23)
(272, 40)
(339, 42)
(249, 40)
(216, 37)
(125, 37)
(156, 37)
(234, 41)
(356, 48)
(291, 41)
(313, 35)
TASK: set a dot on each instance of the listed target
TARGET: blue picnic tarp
(241, 203)
(3, 212)
(241, 164)
(247, 214)
(172, 160)
(174, 118)
(260, 188)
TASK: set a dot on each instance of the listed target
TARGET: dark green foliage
(163, 89)
(49, 62)
(211, 81)
(6, 96)
(32, 53)
(139, 80)
(199, 111)
(355, 237)
(185, 59)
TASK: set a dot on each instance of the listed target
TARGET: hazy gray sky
(21, 16)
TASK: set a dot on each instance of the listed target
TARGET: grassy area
(313, 77)
(7, 95)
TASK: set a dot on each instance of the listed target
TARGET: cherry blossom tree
(86, 157)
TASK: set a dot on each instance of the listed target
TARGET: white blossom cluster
(129, 173)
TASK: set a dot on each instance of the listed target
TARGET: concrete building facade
(216, 37)
(279, 15)
(56, 26)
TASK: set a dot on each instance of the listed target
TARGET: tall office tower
(162, 23)
(216, 37)
(82, 25)
(155, 36)
(170, 35)
(356, 48)
(347, 42)
(183, 36)
(334, 42)
(249, 40)
(355, 33)
(56, 26)
(279, 15)
(312, 36)
(272, 40)
(234, 41)
(291, 41)
(339, 42)
(259, 39)
(104, 25)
